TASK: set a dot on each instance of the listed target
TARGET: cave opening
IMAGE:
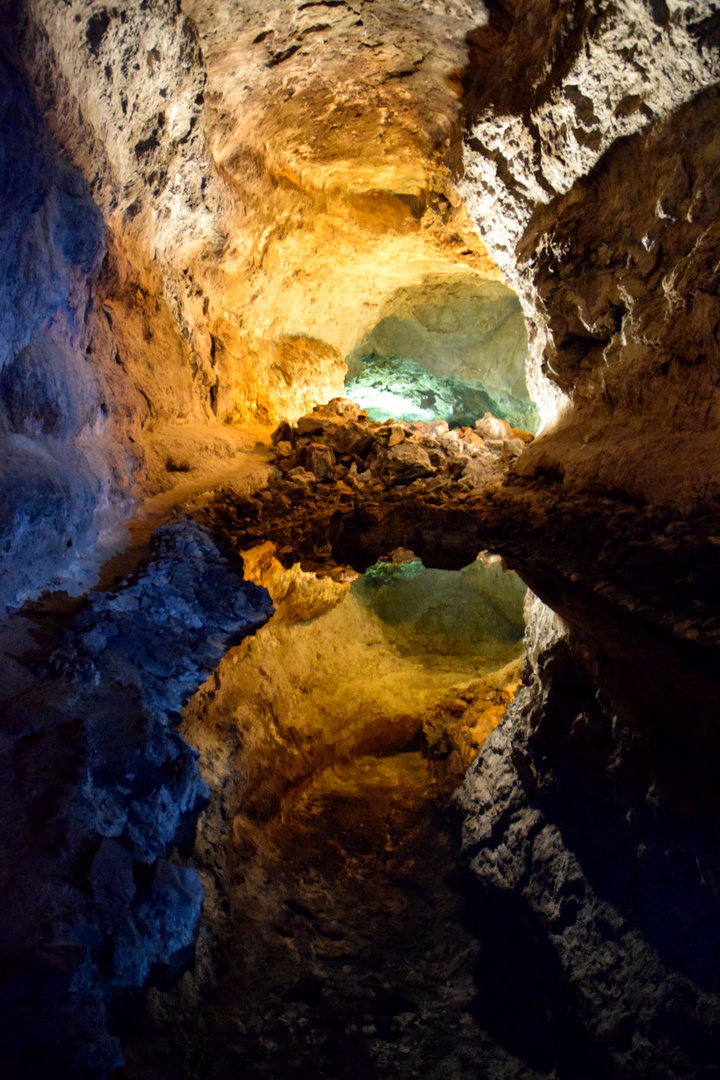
(452, 349)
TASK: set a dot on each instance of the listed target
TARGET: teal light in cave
(458, 609)
(389, 573)
(391, 387)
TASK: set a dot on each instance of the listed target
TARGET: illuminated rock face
(248, 196)
(390, 388)
(244, 158)
(469, 330)
(587, 172)
(242, 167)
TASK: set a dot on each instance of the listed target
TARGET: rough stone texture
(470, 330)
(569, 115)
(297, 158)
(137, 79)
(553, 91)
(345, 491)
(61, 479)
(197, 130)
(634, 337)
(389, 387)
(98, 790)
(590, 855)
(591, 821)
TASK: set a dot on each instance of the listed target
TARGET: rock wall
(66, 470)
(591, 817)
(99, 792)
(560, 98)
(238, 172)
(241, 192)
(591, 834)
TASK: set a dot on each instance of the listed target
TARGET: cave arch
(450, 347)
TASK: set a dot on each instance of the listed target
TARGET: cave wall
(561, 96)
(591, 814)
(66, 470)
(240, 159)
(194, 188)
(470, 329)
(230, 151)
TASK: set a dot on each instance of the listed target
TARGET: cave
(359, 540)
(450, 349)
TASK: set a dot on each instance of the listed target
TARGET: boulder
(407, 456)
(491, 427)
(320, 460)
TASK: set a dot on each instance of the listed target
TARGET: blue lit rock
(391, 387)
(63, 476)
(100, 789)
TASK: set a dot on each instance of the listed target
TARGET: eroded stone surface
(62, 479)
(552, 93)
(100, 789)
(592, 853)
(346, 490)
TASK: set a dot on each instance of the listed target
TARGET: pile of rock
(337, 444)
(344, 490)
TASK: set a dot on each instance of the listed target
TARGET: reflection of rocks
(331, 748)
(162, 630)
(101, 789)
(336, 469)
(472, 610)
(595, 862)
(645, 559)
(445, 495)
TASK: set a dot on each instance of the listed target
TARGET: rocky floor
(345, 489)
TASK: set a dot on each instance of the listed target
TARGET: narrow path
(245, 473)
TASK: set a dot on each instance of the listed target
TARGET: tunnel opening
(451, 348)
